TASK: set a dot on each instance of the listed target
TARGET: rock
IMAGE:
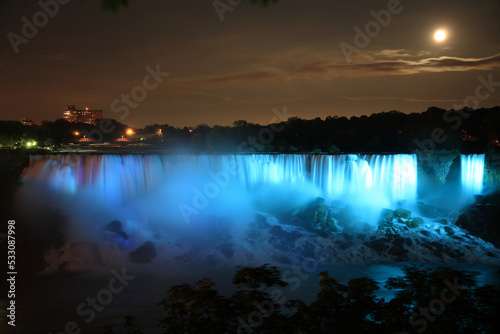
(260, 222)
(143, 254)
(227, 250)
(426, 233)
(278, 231)
(346, 218)
(366, 228)
(386, 215)
(415, 222)
(343, 245)
(455, 254)
(479, 199)
(314, 214)
(402, 213)
(409, 242)
(449, 230)
(411, 224)
(398, 242)
(378, 245)
(347, 236)
(254, 234)
(114, 226)
(123, 240)
(361, 236)
(308, 250)
(427, 210)
(282, 239)
(441, 221)
(329, 223)
(483, 219)
(426, 245)
(418, 221)
(397, 251)
(437, 253)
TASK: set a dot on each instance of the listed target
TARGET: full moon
(440, 35)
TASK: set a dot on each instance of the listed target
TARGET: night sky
(256, 59)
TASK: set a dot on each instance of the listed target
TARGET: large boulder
(415, 222)
(402, 213)
(386, 215)
(380, 245)
(143, 254)
(114, 226)
(483, 219)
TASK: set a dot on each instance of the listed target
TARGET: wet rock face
(483, 219)
(378, 244)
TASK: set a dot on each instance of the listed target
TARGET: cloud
(408, 67)
(199, 98)
(398, 53)
(244, 77)
(407, 99)
(377, 63)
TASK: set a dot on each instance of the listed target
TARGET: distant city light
(76, 133)
(130, 132)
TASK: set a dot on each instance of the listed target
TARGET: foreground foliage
(439, 301)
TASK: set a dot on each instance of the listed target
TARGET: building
(71, 114)
(25, 121)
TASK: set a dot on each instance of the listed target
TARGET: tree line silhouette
(393, 131)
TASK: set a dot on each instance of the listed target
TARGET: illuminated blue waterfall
(368, 179)
(374, 180)
(472, 172)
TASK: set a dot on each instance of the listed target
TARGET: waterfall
(365, 180)
(368, 179)
(472, 171)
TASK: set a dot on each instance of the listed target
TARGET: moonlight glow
(440, 35)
